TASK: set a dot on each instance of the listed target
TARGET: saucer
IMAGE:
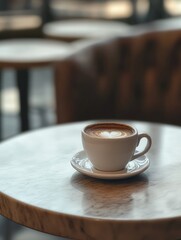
(83, 165)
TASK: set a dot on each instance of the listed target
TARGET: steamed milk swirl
(109, 131)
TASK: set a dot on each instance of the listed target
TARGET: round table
(40, 189)
(24, 54)
(29, 53)
(18, 24)
(71, 30)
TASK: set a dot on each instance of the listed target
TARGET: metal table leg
(22, 77)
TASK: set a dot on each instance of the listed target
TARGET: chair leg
(22, 77)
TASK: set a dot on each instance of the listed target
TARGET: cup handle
(147, 147)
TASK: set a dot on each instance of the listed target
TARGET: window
(173, 7)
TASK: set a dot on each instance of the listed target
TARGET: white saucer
(82, 164)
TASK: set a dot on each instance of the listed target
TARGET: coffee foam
(109, 131)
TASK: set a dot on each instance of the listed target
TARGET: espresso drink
(110, 146)
(109, 130)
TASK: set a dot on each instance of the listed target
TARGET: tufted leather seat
(132, 77)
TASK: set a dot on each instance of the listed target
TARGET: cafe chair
(132, 77)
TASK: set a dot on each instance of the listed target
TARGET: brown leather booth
(132, 77)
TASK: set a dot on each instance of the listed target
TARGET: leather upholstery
(132, 77)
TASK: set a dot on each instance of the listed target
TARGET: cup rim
(113, 123)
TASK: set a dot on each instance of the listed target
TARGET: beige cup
(110, 146)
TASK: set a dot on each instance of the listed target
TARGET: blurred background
(26, 19)
(132, 11)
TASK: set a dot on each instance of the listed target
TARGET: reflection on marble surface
(103, 198)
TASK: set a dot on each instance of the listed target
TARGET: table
(18, 24)
(40, 189)
(111, 9)
(72, 30)
(24, 54)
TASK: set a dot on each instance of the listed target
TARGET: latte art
(109, 131)
(110, 134)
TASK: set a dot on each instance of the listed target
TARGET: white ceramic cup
(110, 146)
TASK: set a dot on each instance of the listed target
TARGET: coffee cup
(110, 146)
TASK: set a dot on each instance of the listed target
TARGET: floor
(42, 114)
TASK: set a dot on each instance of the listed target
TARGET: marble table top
(85, 29)
(40, 189)
(32, 52)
